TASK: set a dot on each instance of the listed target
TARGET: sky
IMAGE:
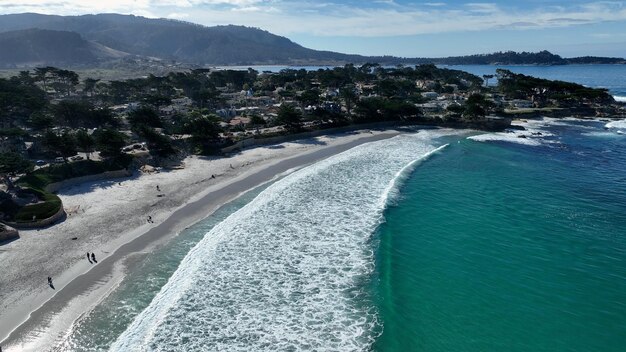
(431, 28)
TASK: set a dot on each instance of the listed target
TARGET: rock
(8, 233)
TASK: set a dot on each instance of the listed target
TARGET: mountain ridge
(232, 45)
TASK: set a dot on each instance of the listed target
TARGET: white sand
(106, 214)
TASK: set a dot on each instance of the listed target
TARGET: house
(239, 121)
(330, 93)
(430, 107)
(226, 113)
(521, 104)
(430, 95)
(425, 84)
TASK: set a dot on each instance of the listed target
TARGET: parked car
(40, 163)
(59, 160)
(76, 158)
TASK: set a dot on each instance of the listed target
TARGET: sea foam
(620, 124)
(291, 269)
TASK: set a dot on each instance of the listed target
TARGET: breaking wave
(292, 269)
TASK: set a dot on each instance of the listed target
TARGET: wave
(291, 269)
(616, 124)
(393, 189)
(533, 133)
(619, 98)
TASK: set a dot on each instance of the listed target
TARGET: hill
(182, 41)
(32, 47)
(220, 45)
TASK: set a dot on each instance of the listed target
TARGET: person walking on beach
(158, 189)
(93, 257)
(89, 259)
(50, 282)
(150, 219)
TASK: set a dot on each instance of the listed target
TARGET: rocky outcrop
(8, 233)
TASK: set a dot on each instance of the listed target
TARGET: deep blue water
(611, 77)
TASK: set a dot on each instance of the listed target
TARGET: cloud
(177, 15)
(484, 8)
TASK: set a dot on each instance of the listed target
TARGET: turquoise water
(505, 247)
(423, 242)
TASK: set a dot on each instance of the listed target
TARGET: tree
(159, 144)
(204, 130)
(63, 145)
(487, 78)
(40, 121)
(71, 113)
(90, 85)
(309, 97)
(18, 100)
(41, 75)
(157, 100)
(257, 120)
(13, 163)
(455, 111)
(85, 142)
(476, 106)
(109, 142)
(289, 117)
(65, 80)
(144, 115)
(348, 95)
(369, 110)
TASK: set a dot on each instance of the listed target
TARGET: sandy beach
(110, 219)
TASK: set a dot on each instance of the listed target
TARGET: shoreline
(87, 285)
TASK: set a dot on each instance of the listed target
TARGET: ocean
(438, 240)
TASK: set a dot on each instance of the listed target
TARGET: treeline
(519, 86)
(518, 58)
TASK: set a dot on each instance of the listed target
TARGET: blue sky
(392, 27)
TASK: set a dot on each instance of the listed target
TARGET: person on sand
(89, 259)
(50, 282)
(150, 219)
(158, 189)
(93, 257)
(212, 176)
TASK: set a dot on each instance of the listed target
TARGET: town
(56, 125)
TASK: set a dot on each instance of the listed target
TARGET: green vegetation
(13, 163)
(545, 92)
(50, 204)
(39, 179)
(201, 111)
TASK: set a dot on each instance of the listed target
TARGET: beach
(110, 219)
